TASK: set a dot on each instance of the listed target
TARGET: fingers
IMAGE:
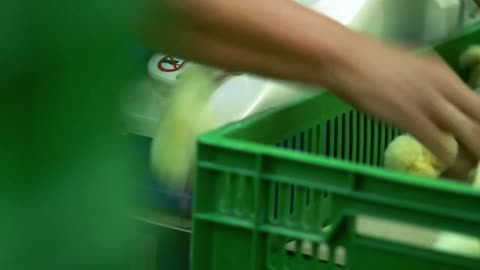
(456, 109)
(468, 101)
(461, 96)
(465, 129)
(462, 166)
(433, 138)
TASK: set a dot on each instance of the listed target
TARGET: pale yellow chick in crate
(470, 62)
(406, 154)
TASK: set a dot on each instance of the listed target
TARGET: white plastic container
(237, 98)
(149, 96)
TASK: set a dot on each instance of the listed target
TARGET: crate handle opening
(447, 242)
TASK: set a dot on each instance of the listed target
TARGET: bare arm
(276, 38)
(281, 39)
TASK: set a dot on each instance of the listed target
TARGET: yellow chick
(406, 154)
(470, 61)
(173, 149)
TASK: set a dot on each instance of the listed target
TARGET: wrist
(348, 62)
(337, 62)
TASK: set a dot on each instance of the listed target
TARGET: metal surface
(158, 246)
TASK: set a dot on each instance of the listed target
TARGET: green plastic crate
(267, 186)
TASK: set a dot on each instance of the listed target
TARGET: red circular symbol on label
(170, 64)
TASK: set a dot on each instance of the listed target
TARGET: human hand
(418, 94)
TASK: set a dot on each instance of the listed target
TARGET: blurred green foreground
(64, 167)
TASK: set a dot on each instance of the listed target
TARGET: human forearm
(276, 38)
(281, 39)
